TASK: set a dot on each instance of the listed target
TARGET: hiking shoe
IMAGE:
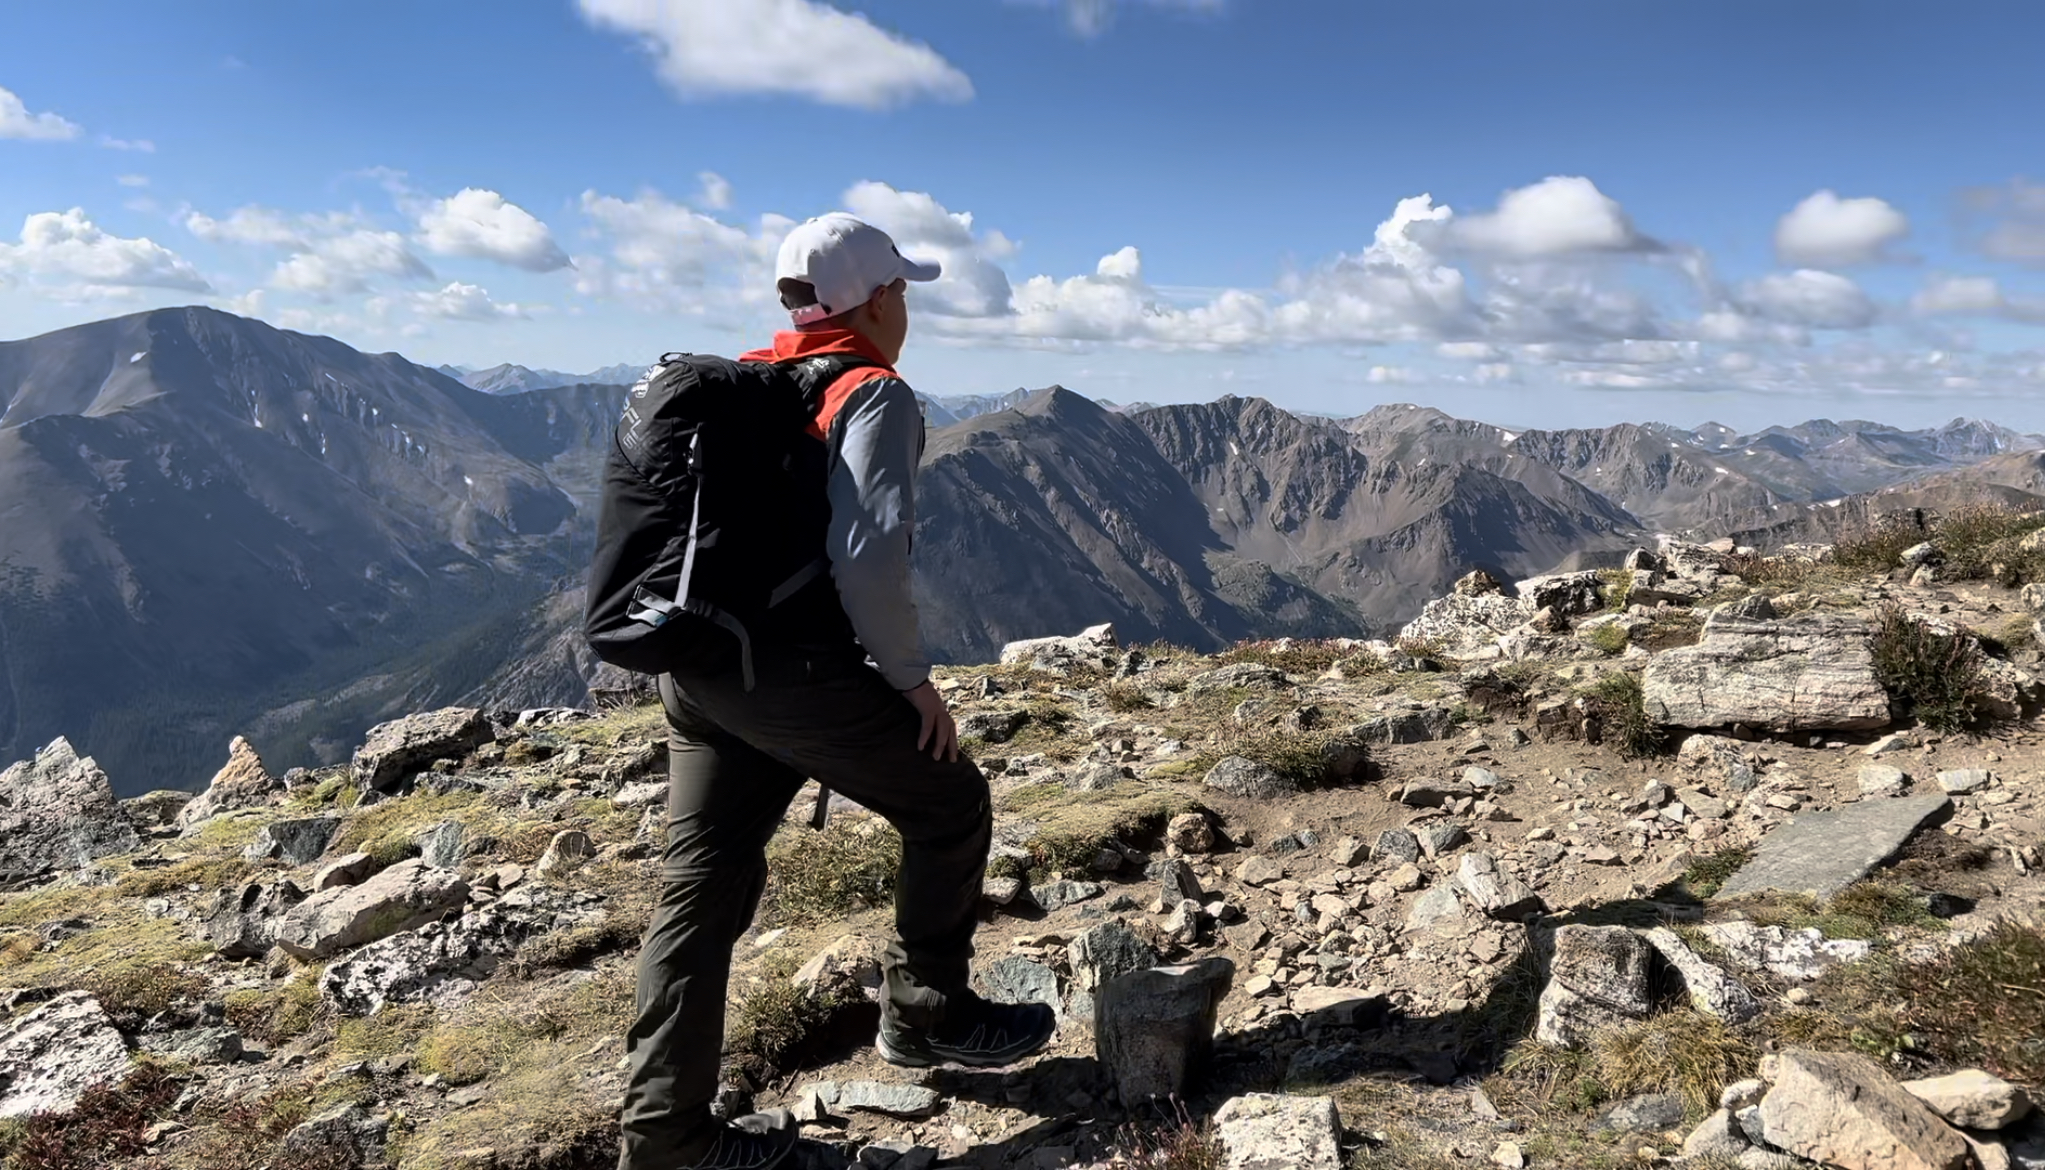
(975, 1032)
(756, 1141)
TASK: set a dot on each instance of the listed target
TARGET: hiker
(828, 681)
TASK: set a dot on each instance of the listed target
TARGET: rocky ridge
(1435, 900)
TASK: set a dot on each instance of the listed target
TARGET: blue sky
(1749, 212)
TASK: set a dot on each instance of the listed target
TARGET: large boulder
(1822, 853)
(58, 811)
(1796, 955)
(1567, 594)
(1271, 1131)
(395, 751)
(1814, 671)
(1972, 1098)
(1841, 1109)
(242, 782)
(1094, 646)
(406, 896)
(295, 841)
(52, 1055)
(1237, 776)
(1154, 1029)
(1597, 977)
(439, 963)
(1461, 624)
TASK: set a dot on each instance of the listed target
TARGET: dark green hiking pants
(736, 760)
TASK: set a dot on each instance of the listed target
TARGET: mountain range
(211, 527)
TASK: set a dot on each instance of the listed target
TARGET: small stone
(1961, 781)
(1267, 1131)
(1397, 845)
(1717, 1137)
(1509, 1156)
(1001, 890)
(1436, 840)
(1258, 871)
(1348, 852)
(1057, 895)
(1496, 892)
(1882, 780)
(895, 1100)
(567, 852)
(1190, 833)
(1651, 1113)
(1436, 907)
(1240, 777)
(1407, 878)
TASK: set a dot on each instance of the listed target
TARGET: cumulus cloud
(1558, 215)
(661, 251)
(327, 255)
(1470, 351)
(345, 263)
(1825, 231)
(64, 249)
(801, 48)
(1974, 296)
(1394, 290)
(142, 145)
(17, 122)
(971, 284)
(465, 302)
(482, 224)
(1809, 297)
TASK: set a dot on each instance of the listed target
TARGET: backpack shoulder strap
(839, 392)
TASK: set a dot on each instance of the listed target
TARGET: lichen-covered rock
(1841, 1109)
(1567, 594)
(395, 751)
(58, 811)
(1711, 990)
(1973, 1099)
(1271, 1131)
(1462, 625)
(1809, 672)
(1723, 762)
(1237, 776)
(567, 852)
(408, 895)
(439, 963)
(1094, 646)
(298, 841)
(52, 1055)
(1597, 976)
(1493, 890)
(1190, 833)
(1105, 951)
(242, 922)
(242, 782)
(158, 809)
(1796, 955)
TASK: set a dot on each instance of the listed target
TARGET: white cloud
(133, 180)
(483, 224)
(247, 225)
(803, 48)
(17, 122)
(971, 284)
(141, 145)
(663, 251)
(1559, 214)
(1819, 300)
(345, 263)
(1394, 290)
(65, 249)
(714, 194)
(1825, 231)
(465, 302)
(1387, 375)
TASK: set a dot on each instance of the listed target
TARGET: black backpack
(714, 516)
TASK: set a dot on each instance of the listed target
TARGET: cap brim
(927, 271)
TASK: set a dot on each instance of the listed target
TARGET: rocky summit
(1713, 859)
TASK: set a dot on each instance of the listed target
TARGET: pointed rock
(1841, 1109)
(58, 811)
(242, 782)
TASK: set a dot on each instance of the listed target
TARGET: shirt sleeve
(877, 444)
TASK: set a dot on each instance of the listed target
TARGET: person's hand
(938, 729)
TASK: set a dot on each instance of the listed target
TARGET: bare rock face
(1841, 1109)
(242, 783)
(394, 751)
(58, 811)
(52, 1055)
(439, 963)
(158, 809)
(408, 895)
(1597, 976)
(1271, 1131)
(1462, 623)
(1568, 595)
(1154, 1028)
(297, 841)
(1809, 672)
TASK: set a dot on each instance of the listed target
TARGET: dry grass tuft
(1180, 1144)
(818, 876)
(1308, 657)
(1621, 707)
(1938, 675)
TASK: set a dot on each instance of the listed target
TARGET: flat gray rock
(1822, 853)
(1809, 672)
(1237, 776)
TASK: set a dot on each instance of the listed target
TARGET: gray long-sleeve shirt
(876, 442)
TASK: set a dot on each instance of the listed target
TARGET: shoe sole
(905, 1059)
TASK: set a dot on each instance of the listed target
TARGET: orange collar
(790, 344)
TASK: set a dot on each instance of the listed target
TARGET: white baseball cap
(844, 258)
